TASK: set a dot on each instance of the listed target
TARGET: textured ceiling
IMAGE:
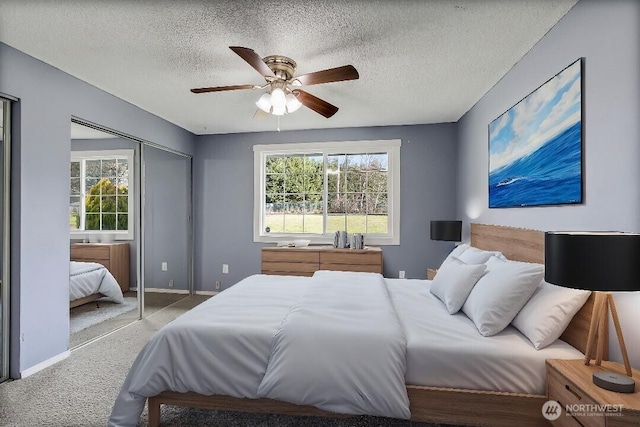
(419, 61)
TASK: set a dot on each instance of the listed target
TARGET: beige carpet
(153, 302)
(80, 391)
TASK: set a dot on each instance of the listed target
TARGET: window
(100, 200)
(312, 190)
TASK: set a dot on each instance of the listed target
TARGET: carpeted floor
(80, 390)
(154, 301)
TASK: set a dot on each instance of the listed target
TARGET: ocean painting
(535, 148)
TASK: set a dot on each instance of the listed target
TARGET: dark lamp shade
(595, 261)
(446, 230)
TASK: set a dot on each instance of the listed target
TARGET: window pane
(75, 186)
(92, 204)
(109, 205)
(376, 182)
(335, 203)
(123, 204)
(377, 203)
(123, 222)
(274, 164)
(336, 222)
(92, 168)
(109, 169)
(377, 223)
(356, 223)
(92, 222)
(275, 183)
(109, 221)
(91, 185)
(294, 183)
(74, 212)
(293, 223)
(75, 169)
(294, 164)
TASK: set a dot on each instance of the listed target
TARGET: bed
(89, 281)
(242, 379)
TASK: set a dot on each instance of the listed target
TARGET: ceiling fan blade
(221, 88)
(315, 103)
(338, 74)
(254, 60)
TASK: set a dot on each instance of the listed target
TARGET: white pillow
(454, 281)
(548, 313)
(500, 294)
(455, 253)
(477, 256)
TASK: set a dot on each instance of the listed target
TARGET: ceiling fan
(284, 95)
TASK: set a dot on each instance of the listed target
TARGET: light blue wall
(607, 35)
(48, 98)
(223, 197)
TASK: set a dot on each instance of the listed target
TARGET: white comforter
(87, 278)
(257, 339)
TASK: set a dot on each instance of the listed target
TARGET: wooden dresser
(114, 256)
(305, 261)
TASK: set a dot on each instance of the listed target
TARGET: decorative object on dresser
(602, 262)
(569, 383)
(450, 231)
(305, 261)
(114, 256)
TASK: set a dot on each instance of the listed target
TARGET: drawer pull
(572, 392)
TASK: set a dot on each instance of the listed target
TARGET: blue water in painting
(549, 175)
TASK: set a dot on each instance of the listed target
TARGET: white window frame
(106, 235)
(391, 147)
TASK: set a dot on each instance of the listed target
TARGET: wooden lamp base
(607, 380)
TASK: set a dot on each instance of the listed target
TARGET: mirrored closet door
(167, 227)
(5, 163)
(104, 212)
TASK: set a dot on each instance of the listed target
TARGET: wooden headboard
(521, 244)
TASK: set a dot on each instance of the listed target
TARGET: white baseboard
(163, 290)
(206, 292)
(42, 365)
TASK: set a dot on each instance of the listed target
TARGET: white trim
(391, 146)
(42, 365)
(164, 290)
(206, 293)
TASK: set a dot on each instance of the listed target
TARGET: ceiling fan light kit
(284, 96)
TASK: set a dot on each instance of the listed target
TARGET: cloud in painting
(536, 119)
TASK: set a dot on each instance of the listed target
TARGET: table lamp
(603, 262)
(450, 231)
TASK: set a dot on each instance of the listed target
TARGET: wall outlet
(164, 266)
(401, 275)
(217, 285)
(171, 283)
(225, 268)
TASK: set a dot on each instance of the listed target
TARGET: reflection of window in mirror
(100, 201)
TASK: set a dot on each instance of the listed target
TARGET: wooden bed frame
(84, 300)
(431, 404)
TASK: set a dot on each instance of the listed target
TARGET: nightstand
(431, 273)
(569, 382)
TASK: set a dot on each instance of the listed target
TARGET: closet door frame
(5, 284)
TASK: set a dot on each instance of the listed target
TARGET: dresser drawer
(566, 393)
(353, 258)
(290, 255)
(89, 252)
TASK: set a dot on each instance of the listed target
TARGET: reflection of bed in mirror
(89, 281)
